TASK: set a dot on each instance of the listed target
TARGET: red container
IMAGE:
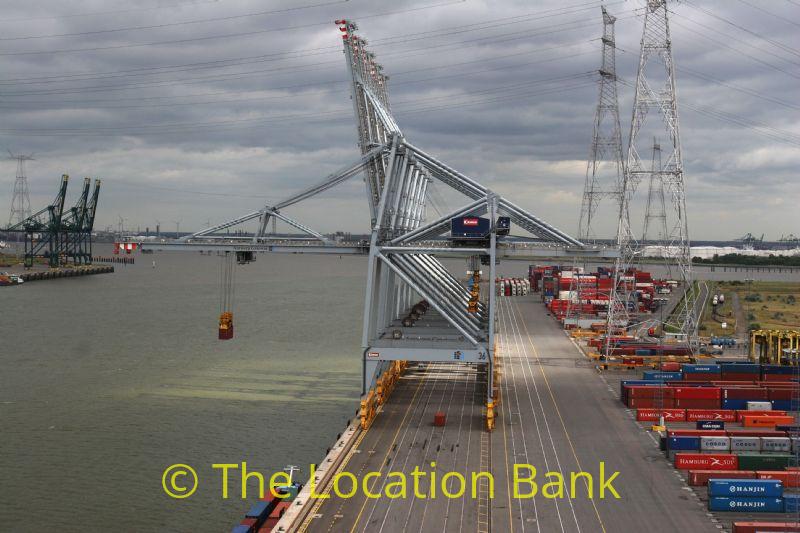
(694, 403)
(696, 433)
(736, 376)
(706, 461)
(779, 394)
(756, 527)
(755, 394)
(670, 367)
(698, 377)
(439, 419)
(741, 413)
(725, 415)
(704, 393)
(778, 377)
(788, 479)
(653, 415)
(249, 522)
(766, 421)
(646, 391)
(700, 477)
(638, 403)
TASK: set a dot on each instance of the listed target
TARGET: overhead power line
(115, 12)
(173, 24)
(221, 36)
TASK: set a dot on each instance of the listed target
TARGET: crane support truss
(655, 101)
(405, 247)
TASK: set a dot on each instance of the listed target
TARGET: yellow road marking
(389, 449)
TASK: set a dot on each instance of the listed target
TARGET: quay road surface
(556, 413)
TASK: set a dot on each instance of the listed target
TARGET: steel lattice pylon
(605, 170)
(654, 99)
(21, 201)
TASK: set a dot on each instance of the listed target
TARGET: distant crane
(177, 229)
(751, 240)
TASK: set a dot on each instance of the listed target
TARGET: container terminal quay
(594, 378)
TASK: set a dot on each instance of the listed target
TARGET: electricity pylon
(21, 201)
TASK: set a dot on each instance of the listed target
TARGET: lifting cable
(227, 294)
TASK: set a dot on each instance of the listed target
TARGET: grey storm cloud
(202, 111)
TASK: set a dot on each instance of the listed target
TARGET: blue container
(241, 529)
(730, 403)
(701, 369)
(746, 505)
(791, 503)
(748, 488)
(780, 370)
(781, 405)
(651, 375)
(723, 341)
(260, 510)
(791, 429)
(741, 368)
(683, 443)
(710, 424)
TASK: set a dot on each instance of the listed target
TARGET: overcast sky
(205, 110)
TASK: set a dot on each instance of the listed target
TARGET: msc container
(701, 477)
(745, 444)
(759, 406)
(714, 444)
(741, 368)
(748, 505)
(791, 503)
(683, 443)
(753, 461)
(777, 370)
(781, 405)
(765, 488)
(776, 444)
(734, 404)
(710, 424)
(703, 461)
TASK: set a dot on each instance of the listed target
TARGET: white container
(715, 443)
(745, 444)
(567, 274)
(759, 406)
(795, 444)
(776, 444)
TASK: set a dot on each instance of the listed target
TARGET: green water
(106, 380)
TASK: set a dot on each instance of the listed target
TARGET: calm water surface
(105, 380)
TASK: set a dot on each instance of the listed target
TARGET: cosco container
(776, 444)
(764, 488)
(714, 444)
(748, 505)
(759, 406)
(745, 444)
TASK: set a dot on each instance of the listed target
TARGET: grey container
(745, 444)
(717, 444)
